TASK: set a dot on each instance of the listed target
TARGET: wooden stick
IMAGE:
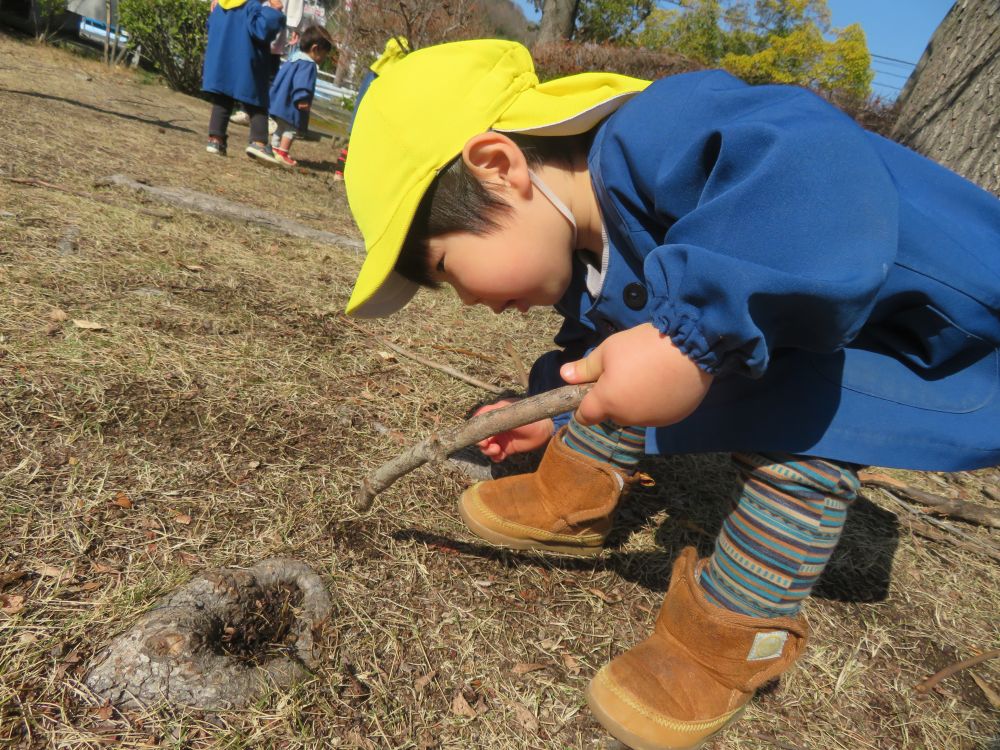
(441, 368)
(231, 211)
(924, 525)
(88, 196)
(942, 506)
(520, 370)
(438, 447)
(457, 374)
(927, 685)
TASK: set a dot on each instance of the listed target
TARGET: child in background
(293, 89)
(740, 269)
(236, 69)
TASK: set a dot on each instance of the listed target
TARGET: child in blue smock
(240, 33)
(293, 89)
(739, 269)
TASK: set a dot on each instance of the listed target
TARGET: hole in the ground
(267, 627)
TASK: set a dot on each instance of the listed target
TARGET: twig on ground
(942, 506)
(220, 208)
(457, 374)
(88, 196)
(924, 525)
(927, 685)
(519, 369)
(438, 447)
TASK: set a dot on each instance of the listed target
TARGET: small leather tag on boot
(768, 645)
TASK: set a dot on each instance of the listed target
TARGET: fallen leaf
(72, 460)
(182, 518)
(58, 316)
(550, 643)
(88, 325)
(571, 663)
(11, 604)
(26, 639)
(122, 501)
(103, 713)
(103, 569)
(461, 707)
(387, 356)
(525, 667)
(605, 596)
(91, 586)
(187, 558)
(422, 682)
(991, 695)
(49, 571)
(525, 717)
(194, 267)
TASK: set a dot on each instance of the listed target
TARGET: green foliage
(611, 20)
(172, 36)
(781, 41)
(47, 12)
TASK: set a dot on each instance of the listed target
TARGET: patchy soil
(224, 413)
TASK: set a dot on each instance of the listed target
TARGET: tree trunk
(950, 106)
(558, 20)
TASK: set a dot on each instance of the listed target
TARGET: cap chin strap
(555, 201)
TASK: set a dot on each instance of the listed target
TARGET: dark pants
(218, 121)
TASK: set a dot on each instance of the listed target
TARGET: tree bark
(950, 106)
(224, 209)
(558, 20)
(213, 643)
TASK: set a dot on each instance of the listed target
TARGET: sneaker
(216, 147)
(272, 126)
(240, 118)
(261, 152)
(283, 158)
(275, 141)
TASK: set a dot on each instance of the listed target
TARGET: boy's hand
(640, 379)
(519, 440)
(276, 4)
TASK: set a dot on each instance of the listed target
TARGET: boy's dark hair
(315, 36)
(457, 202)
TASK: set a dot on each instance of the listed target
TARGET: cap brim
(391, 296)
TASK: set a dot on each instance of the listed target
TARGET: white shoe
(240, 118)
(272, 126)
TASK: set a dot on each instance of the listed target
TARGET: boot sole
(503, 540)
(622, 734)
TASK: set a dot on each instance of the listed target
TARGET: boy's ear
(494, 158)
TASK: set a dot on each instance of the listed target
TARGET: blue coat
(844, 290)
(295, 82)
(236, 58)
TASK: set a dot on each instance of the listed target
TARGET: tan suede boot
(565, 506)
(697, 671)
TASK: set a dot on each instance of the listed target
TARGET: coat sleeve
(304, 83)
(782, 225)
(264, 23)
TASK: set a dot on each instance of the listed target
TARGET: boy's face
(527, 262)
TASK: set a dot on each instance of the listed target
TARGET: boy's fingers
(585, 370)
(591, 410)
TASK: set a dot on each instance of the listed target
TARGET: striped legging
(775, 544)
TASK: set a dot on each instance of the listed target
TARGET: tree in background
(949, 109)
(172, 35)
(762, 41)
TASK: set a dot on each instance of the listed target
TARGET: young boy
(236, 69)
(293, 90)
(740, 269)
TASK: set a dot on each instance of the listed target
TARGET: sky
(897, 29)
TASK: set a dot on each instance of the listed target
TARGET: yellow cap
(418, 115)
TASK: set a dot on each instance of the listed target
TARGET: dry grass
(225, 388)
